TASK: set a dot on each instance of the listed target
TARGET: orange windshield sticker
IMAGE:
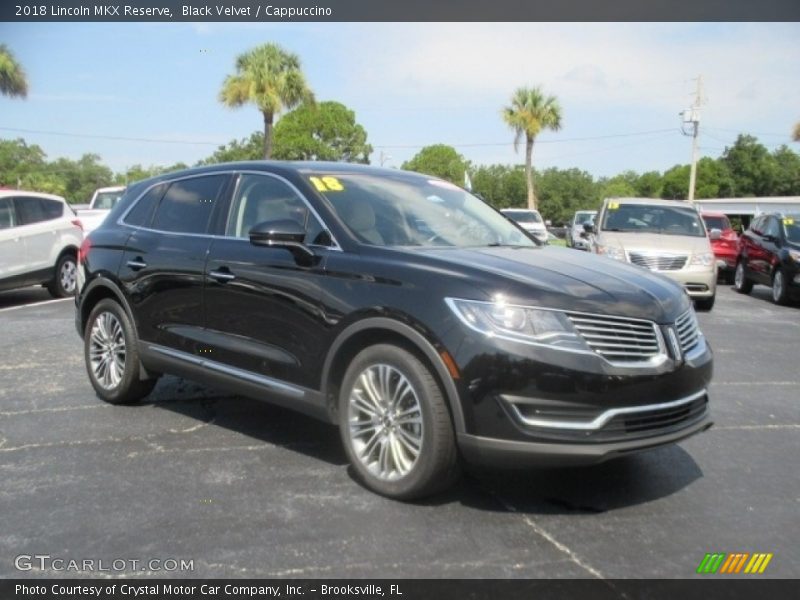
(326, 184)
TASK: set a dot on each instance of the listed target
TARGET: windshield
(791, 228)
(524, 216)
(403, 210)
(107, 200)
(720, 223)
(584, 217)
(643, 218)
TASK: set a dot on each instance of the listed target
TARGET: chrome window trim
(603, 418)
(121, 220)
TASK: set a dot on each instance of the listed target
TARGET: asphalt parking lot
(248, 490)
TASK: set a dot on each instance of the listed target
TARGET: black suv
(769, 253)
(396, 305)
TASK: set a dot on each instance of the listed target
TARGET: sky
(621, 87)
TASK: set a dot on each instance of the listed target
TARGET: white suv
(39, 240)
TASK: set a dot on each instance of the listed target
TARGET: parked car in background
(726, 246)
(103, 200)
(769, 254)
(667, 236)
(39, 240)
(396, 305)
(530, 220)
(575, 232)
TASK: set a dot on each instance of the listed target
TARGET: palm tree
(796, 132)
(529, 113)
(270, 78)
(13, 82)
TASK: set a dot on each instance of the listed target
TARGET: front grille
(659, 262)
(657, 420)
(688, 330)
(616, 338)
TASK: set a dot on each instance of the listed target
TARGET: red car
(726, 247)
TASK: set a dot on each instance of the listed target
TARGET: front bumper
(698, 281)
(511, 453)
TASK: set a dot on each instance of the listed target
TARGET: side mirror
(588, 227)
(285, 233)
(714, 234)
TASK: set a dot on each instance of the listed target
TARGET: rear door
(12, 247)
(163, 264)
(263, 310)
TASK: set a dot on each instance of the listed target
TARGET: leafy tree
(563, 191)
(323, 131)
(787, 174)
(81, 177)
(713, 180)
(648, 185)
(619, 186)
(502, 186)
(18, 160)
(751, 166)
(138, 172)
(13, 81)
(439, 160)
(251, 148)
(530, 112)
(270, 78)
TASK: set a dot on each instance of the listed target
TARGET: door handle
(137, 263)
(222, 275)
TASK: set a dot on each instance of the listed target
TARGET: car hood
(568, 280)
(656, 242)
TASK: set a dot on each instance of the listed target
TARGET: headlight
(614, 252)
(794, 255)
(518, 323)
(705, 259)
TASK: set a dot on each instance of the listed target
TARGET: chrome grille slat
(659, 262)
(688, 330)
(617, 338)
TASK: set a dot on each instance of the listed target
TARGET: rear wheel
(65, 279)
(780, 291)
(112, 357)
(740, 281)
(395, 424)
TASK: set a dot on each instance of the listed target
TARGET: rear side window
(29, 210)
(51, 209)
(188, 204)
(7, 217)
(142, 212)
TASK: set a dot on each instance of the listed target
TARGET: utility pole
(385, 158)
(692, 116)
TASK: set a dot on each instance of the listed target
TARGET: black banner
(400, 10)
(413, 589)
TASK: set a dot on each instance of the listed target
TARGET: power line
(783, 135)
(108, 137)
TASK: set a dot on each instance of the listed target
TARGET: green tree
(321, 131)
(619, 186)
(81, 177)
(251, 148)
(439, 160)
(649, 185)
(752, 167)
(563, 191)
(138, 172)
(13, 81)
(787, 176)
(270, 78)
(529, 113)
(18, 161)
(713, 180)
(502, 186)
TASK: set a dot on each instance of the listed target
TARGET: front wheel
(780, 291)
(740, 281)
(395, 424)
(111, 355)
(65, 278)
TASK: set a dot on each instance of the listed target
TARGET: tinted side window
(771, 227)
(755, 225)
(29, 210)
(7, 217)
(188, 204)
(142, 212)
(262, 198)
(52, 209)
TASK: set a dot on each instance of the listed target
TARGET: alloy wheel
(68, 276)
(385, 422)
(107, 350)
(777, 287)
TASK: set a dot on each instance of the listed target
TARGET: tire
(728, 276)
(112, 356)
(780, 291)
(408, 451)
(740, 281)
(65, 278)
(705, 304)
